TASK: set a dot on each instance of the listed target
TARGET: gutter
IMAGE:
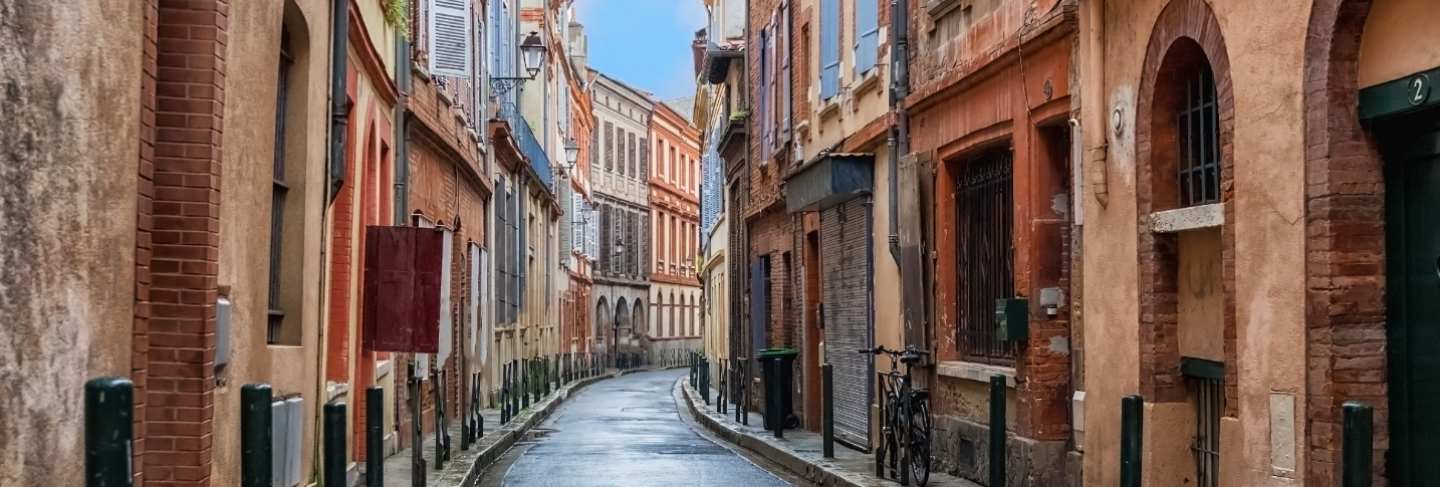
(899, 139)
(401, 202)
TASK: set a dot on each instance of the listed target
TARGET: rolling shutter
(845, 292)
(450, 46)
(829, 48)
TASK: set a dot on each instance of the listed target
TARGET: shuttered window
(829, 48)
(867, 35)
(450, 46)
(783, 88)
(986, 253)
(279, 189)
(609, 146)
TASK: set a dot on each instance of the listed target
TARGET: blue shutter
(867, 34)
(829, 48)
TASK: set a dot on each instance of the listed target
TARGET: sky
(645, 43)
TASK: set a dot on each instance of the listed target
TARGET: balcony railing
(529, 146)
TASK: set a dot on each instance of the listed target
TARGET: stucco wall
(1399, 40)
(1267, 199)
(69, 160)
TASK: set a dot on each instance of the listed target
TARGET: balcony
(529, 146)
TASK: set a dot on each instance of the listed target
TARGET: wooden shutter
(450, 47)
(867, 35)
(785, 71)
(829, 48)
(402, 264)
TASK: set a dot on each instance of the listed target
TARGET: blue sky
(645, 43)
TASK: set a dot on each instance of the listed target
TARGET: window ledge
(829, 107)
(975, 372)
(1184, 219)
(869, 81)
(383, 368)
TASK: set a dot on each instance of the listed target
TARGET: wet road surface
(625, 431)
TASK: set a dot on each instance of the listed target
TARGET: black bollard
(255, 436)
(827, 410)
(1131, 429)
(374, 437)
(997, 430)
(335, 444)
(109, 416)
(1357, 450)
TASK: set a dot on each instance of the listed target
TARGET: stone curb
(508, 435)
(818, 473)
(502, 439)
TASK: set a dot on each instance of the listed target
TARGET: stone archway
(602, 320)
(622, 320)
(1344, 220)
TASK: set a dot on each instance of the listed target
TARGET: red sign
(402, 289)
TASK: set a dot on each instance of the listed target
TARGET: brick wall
(144, 225)
(1345, 247)
(180, 376)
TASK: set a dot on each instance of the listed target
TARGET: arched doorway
(622, 321)
(638, 315)
(602, 323)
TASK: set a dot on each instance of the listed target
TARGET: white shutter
(447, 332)
(450, 46)
(472, 319)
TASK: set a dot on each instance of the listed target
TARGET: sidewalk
(464, 466)
(800, 451)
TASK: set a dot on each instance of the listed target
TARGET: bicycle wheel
(919, 447)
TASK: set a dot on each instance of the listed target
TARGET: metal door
(846, 314)
(1413, 273)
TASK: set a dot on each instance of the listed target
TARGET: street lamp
(572, 153)
(532, 53)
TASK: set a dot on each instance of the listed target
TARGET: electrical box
(1012, 319)
(402, 289)
(222, 331)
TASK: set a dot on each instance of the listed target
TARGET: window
(644, 160)
(985, 254)
(829, 48)
(867, 35)
(609, 146)
(1198, 178)
(278, 189)
(631, 154)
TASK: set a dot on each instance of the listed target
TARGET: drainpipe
(402, 122)
(899, 140)
(1092, 21)
(339, 110)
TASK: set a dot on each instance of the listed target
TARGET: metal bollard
(109, 416)
(255, 435)
(1357, 446)
(374, 437)
(335, 444)
(827, 410)
(1131, 428)
(997, 430)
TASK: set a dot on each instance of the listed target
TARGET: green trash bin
(777, 366)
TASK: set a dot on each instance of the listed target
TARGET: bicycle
(906, 420)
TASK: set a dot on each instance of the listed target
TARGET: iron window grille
(1204, 379)
(1198, 126)
(275, 318)
(985, 253)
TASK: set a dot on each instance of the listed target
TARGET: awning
(831, 179)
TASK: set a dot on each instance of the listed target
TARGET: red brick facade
(144, 225)
(1345, 245)
(189, 116)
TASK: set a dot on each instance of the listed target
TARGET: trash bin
(777, 366)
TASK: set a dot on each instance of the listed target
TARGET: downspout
(899, 140)
(402, 123)
(1092, 21)
(339, 111)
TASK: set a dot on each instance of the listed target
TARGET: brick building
(1264, 265)
(674, 181)
(579, 228)
(620, 182)
(989, 107)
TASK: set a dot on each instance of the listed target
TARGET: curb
(506, 437)
(819, 474)
(512, 432)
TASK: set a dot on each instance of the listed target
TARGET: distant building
(675, 210)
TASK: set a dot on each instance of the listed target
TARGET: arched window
(1198, 126)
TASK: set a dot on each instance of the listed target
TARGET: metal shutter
(845, 292)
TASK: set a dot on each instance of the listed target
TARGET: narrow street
(624, 431)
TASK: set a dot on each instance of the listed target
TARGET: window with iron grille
(279, 188)
(1198, 126)
(985, 253)
(1209, 402)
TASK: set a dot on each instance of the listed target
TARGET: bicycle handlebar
(880, 349)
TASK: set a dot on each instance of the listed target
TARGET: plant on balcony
(397, 15)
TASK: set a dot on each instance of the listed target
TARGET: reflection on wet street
(628, 431)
